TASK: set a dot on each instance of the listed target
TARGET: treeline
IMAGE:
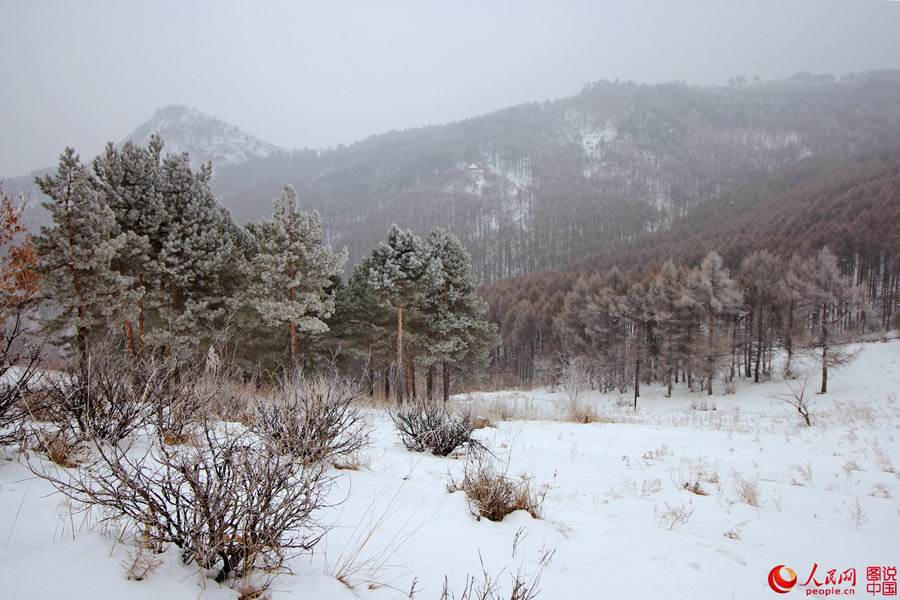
(140, 253)
(699, 326)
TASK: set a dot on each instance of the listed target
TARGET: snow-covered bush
(424, 424)
(312, 419)
(227, 502)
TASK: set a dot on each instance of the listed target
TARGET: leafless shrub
(736, 529)
(674, 515)
(312, 420)
(647, 488)
(18, 368)
(228, 504)
(493, 495)
(105, 396)
(427, 425)
(574, 379)
(796, 397)
(62, 446)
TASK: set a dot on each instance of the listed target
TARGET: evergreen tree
(401, 272)
(198, 257)
(457, 330)
(129, 181)
(291, 272)
(76, 255)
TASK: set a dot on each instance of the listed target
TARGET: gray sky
(298, 73)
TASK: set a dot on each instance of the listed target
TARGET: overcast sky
(303, 74)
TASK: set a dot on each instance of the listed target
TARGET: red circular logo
(779, 583)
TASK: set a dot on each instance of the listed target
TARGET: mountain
(183, 129)
(538, 186)
(203, 137)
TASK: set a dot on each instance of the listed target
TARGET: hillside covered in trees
(849, 205)
(535, 186)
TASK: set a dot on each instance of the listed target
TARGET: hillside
(538, 186)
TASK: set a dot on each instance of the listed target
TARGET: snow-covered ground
(616, 514)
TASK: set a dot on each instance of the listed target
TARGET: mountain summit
(204, 137)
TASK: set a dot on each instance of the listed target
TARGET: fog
(298, 74)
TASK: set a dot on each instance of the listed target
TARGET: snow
(609, 486)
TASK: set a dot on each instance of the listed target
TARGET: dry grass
(493, 495)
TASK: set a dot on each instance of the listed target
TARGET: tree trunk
(759, 345)
(445, 375)
(399, 382)
(429, 382)
(637, 382)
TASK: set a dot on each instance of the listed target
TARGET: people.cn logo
(779, 583)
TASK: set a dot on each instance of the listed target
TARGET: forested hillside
(850, 204)
(535, 186)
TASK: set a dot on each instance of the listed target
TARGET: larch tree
(717, 297)
(76, 255)
(760, 275)
(831, 297)
(290, 275)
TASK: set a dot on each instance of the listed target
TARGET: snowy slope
(774, 493)
(205, 138)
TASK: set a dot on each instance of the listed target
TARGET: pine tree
(292, 271)
(455, 317)
(198, 258)
(129, 180)
(76, 255)
(400, 273)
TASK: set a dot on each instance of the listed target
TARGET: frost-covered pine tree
(76, 254)
(197, 260)
(129, 180)
(401, 272)
(455, 317)
(290, 275)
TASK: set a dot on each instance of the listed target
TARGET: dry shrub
(581, 412)
(106, 396)
(61, 446)
(488, 587)
(493, 495)
(18, 370)
(228, 504)
(313, 420)
(427, 425)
